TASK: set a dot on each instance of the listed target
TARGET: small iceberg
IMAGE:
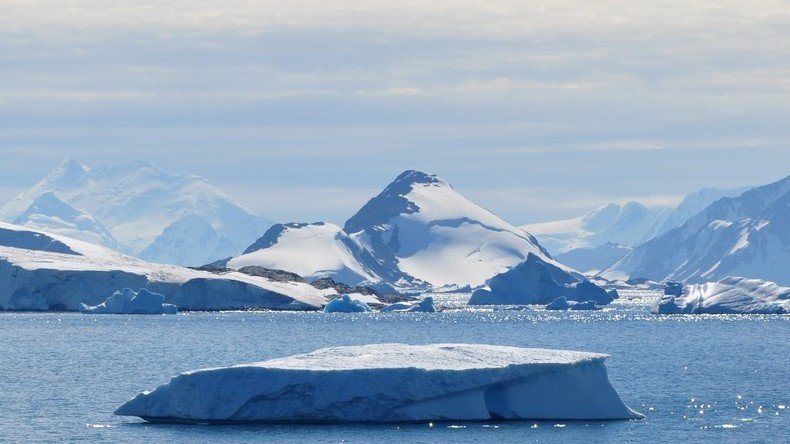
(561, 304)
(731, 295)
(424, 306)
(386, 383)
(345, 304)
(129, 302)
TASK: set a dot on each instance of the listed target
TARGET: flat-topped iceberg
(131, 302)
(392, 383)
(730, 295)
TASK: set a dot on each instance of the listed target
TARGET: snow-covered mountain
(139, 209)
(417, 233)
(44, 271)
(313, 251)
(626, 225)
(593, 260)
(747, 236)
(426, 231)
(690, 205)
(49, 212)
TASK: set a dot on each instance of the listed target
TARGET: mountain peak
(69, 172)
(415, 177)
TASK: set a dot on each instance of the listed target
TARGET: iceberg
(345, 304)
(390, 383)
(129, 302)
(424, 306)
(535, 281)
(673, 288)
(559, 304)
(562, 304)
(731, 295)
(584, 306)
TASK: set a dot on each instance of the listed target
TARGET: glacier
(537, 282)
(44, 271)
(390, 383)
(731, 295)
(128, 301)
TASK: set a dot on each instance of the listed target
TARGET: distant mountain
(593, 260)
(691, 205)
(747, 236)
(49, 212)
(139, 209)
(626, 225)
(417, 233)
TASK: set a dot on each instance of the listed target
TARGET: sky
(303, 110)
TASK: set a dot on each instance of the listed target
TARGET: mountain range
(747, 236)
(629, 225)
(419, 232)
(138, 209)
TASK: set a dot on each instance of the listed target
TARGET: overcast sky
(302, 110)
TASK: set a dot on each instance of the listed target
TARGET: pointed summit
(422, 229)
(68, 173)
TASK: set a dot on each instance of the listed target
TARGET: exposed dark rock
(273, 274)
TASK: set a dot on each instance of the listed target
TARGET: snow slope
(43, 271)
(730, 295)
(152, 214)
(312, 251)
(386, 383)
(421, 230)
(48, 212)
(593, 260)
(689, 207)
(748, 235)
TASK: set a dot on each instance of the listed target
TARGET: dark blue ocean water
(700, 378)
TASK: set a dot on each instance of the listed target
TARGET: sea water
(696, 378)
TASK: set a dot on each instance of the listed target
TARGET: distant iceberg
(345, 304)
(536, 281)
(562, 304)
(129, 302)
(559, 304)
(385, 383)
(424, 306)
(729, 295)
